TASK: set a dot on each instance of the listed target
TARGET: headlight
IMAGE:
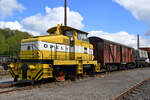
(31, 67)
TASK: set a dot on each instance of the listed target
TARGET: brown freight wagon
(112, 55)
(147, 49)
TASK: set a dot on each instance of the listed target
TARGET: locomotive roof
(105, 40)
(62, 28)
(65, 28)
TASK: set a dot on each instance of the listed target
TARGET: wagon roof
(105, 40)
(144, 47)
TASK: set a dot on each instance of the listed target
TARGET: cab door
(72, 50)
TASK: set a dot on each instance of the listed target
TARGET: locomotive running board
(72, 62)
(65, 62)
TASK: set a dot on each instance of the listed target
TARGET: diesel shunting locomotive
(65, 52)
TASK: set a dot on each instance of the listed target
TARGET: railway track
(21, 86)
(11, 86)
(16, 89)
(140, 91)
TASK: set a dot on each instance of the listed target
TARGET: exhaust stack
(65, 13)
(138, 41)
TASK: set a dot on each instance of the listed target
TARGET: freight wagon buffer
(64, 52)
(111, 55)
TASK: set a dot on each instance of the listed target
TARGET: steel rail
(17, 89)
(120, 97)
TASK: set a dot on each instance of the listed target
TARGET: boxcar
(146, 49)
(141, 58)
(112, 55)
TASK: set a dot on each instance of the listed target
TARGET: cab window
(54, 32)
(68, 33)
(82, 36)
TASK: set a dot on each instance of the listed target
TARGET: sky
(115, 20)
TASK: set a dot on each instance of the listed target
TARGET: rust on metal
(17, 89)
(6, 85)
(107, 52)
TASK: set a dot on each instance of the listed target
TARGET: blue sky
(110, 16)
(104, 15)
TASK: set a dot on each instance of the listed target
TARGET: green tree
(2, 44)
(10, 41)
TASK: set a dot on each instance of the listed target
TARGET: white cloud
(40, 23)
(48, 10)
(139, 8)
(12, 25)
(16, 26)
(7, 7)
(121, 37)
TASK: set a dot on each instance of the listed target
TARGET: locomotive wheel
(73, 75)
(16, 78)
(92, 72)
(84, 74)
(60, 77)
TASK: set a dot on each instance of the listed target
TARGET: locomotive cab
(65, 50)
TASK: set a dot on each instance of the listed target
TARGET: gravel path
(1, 67)
(5, 78)
(92, 88)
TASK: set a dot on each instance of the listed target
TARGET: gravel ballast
(92, 88)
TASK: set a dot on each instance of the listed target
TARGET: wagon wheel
(108, 67)
(146, 64)
(137, 65)
(127, 66)
(118, 67)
